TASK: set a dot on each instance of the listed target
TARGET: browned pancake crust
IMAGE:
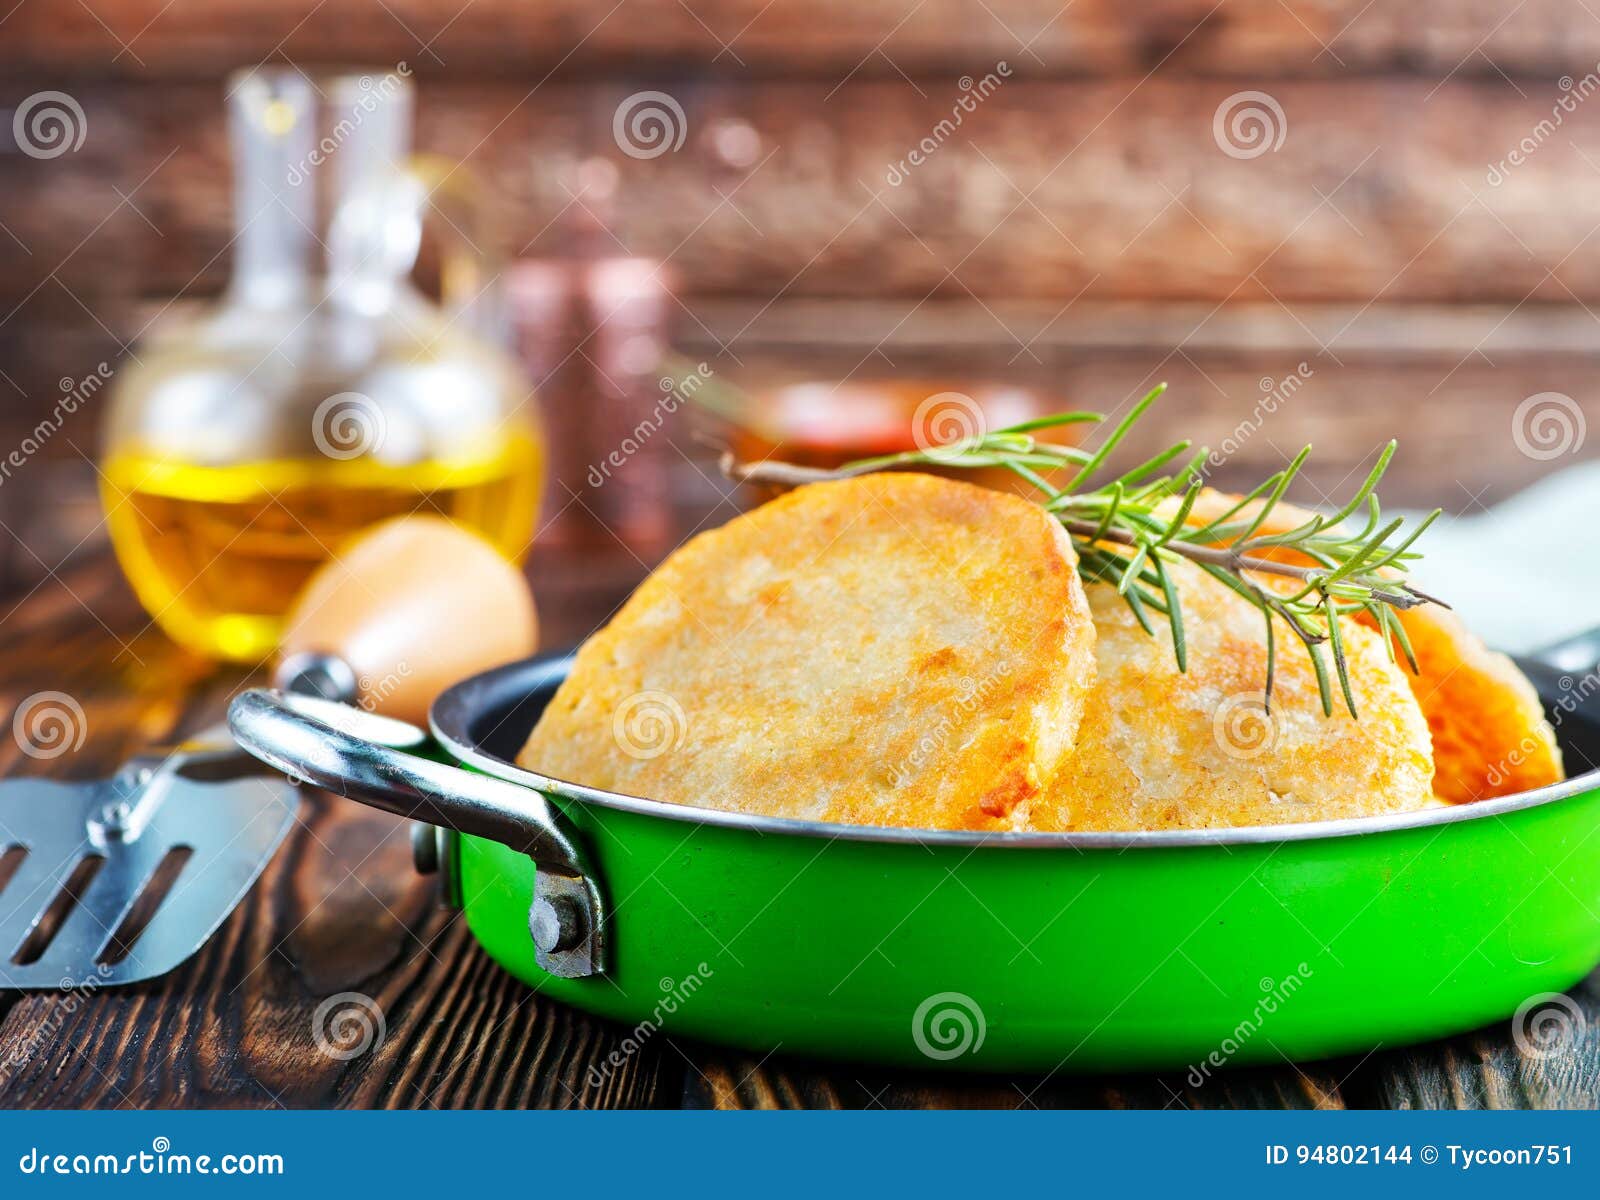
(889, 650)
(1164, 749)
(1490, 736)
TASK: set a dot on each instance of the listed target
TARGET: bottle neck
(308, 156)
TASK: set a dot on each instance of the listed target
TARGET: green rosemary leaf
(1117, 434)
(1053, 421)
(1180, 649)
(1340, 662)
(1128, 535)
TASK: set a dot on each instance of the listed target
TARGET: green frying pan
(1004, 952)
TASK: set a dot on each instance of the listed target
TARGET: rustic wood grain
(143, 38)
(1492, 1068)
(339, 910)
(1108, 188)
(724, 1080)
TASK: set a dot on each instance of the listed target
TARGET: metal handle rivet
(556, 924)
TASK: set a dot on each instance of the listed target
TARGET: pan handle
(365, 757)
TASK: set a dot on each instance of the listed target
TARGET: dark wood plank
(1258, 38)
(339, 910)
(1112, 188)
(1495, 1068)
(728, 1080)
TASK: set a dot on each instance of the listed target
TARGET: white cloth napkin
(1550, 532)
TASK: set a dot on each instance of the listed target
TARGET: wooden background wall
(1083, 230)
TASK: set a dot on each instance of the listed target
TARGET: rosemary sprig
(1127, 532)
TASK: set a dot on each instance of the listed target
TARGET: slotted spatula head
(122, 879)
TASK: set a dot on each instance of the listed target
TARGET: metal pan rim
(453, 712)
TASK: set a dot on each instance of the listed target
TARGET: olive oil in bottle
(216, 554)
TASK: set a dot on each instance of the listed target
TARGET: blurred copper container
(819, 424)
(593, 333)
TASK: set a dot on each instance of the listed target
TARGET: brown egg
(414, 605)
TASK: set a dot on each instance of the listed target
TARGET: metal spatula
(122, 879)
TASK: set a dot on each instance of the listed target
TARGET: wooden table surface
(340, 909)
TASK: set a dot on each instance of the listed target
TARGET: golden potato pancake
(1164, 749)
(1490, 736)
(894, 649)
